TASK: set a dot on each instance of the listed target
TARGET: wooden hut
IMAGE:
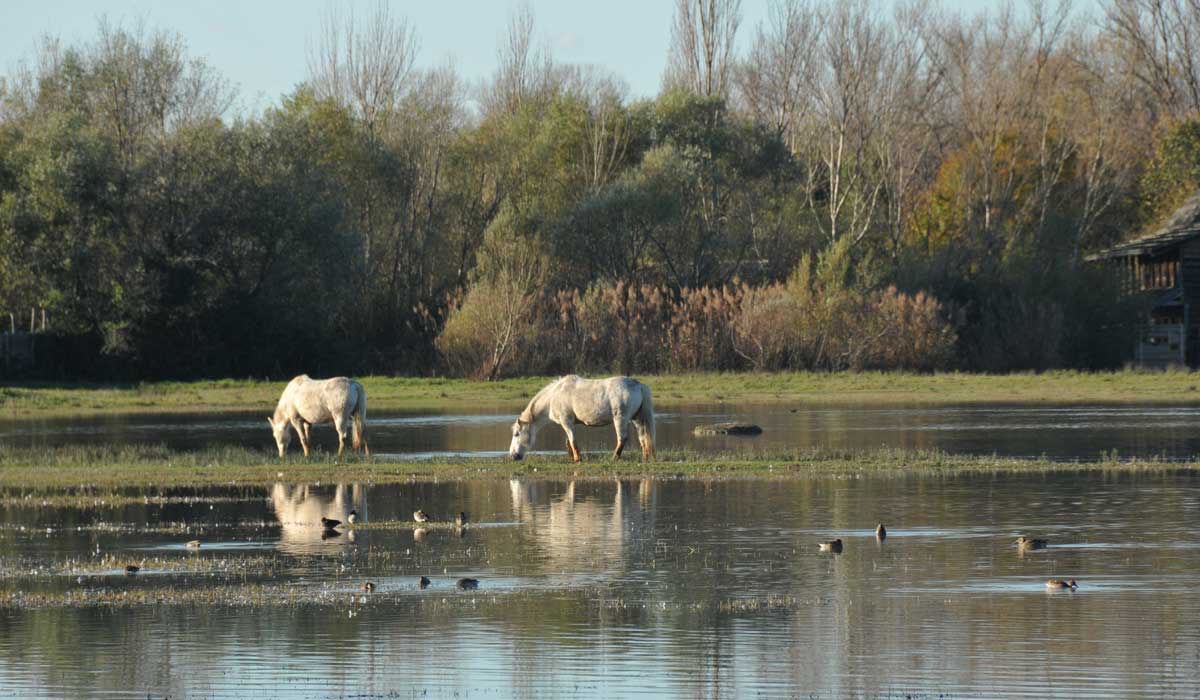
(1165, 264)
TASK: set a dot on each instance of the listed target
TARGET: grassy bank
(85, 470)
(795, 388)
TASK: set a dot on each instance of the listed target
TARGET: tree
(701, 58)
(364, 67)
(772, 83)
(1158, 43)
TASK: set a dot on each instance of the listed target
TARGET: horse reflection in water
(588, 526)
(300, 507)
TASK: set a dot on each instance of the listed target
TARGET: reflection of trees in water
(300, 507)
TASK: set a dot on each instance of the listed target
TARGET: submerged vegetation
(98, 474)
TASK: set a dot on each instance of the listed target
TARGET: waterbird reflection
(302, 510)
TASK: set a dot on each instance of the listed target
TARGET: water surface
(658, 588)
(1057, 432)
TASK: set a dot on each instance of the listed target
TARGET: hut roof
(1181, 226)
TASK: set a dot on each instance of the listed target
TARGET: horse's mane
(281, 404)
(542, 393)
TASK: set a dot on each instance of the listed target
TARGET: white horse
(615, 401)
(306, 401)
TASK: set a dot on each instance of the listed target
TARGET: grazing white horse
(306, 401)
(615, 401)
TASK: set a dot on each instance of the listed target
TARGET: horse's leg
(306, 425)
(622, 429)
(641, 433)
(569, 428)
(340, 425)
(298, 426)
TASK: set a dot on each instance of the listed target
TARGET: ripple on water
(669, 588)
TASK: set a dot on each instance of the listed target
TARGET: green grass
(87, 472)
(791, 388)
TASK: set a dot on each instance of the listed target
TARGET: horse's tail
(358, 419)
(644, 419)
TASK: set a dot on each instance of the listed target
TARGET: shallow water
(603, 588)
(1057, 432)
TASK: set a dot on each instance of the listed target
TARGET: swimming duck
(424, 582)
(132, 569)
(194, 544)
(1026, 543)
(835, 546)
(329, 523)
(1059, 584)
(353, 517)
(420, 516)
(461, 519)
(467, 584)
(880, 531)
(368, 587)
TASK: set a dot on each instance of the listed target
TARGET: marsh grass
(795, 388)
(104, 474)
(96, 570)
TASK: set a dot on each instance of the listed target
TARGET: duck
(467, 584)
(420, 516)
(880, 531)
(424, 582)
(329, 523)
(834, 546)
(369, 587)
(1059, 584)
(1027, 543)
(132, 569)
(461, 520)
(353, 517)
(193, 544)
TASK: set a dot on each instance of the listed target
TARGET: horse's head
(522, 432)
(283, 434)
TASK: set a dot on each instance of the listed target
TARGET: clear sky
(260, 45)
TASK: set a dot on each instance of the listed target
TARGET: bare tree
(911, 124)
(1111, 123)
(851, 96)
(701, 58)
(526, 70)
(607, 129)
(20, 93)
(1159, 44)
(1002, 73)
(365, 67)
(772, 82)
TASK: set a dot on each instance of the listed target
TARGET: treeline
(866, 185)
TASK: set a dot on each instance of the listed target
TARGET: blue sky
(260, 45)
